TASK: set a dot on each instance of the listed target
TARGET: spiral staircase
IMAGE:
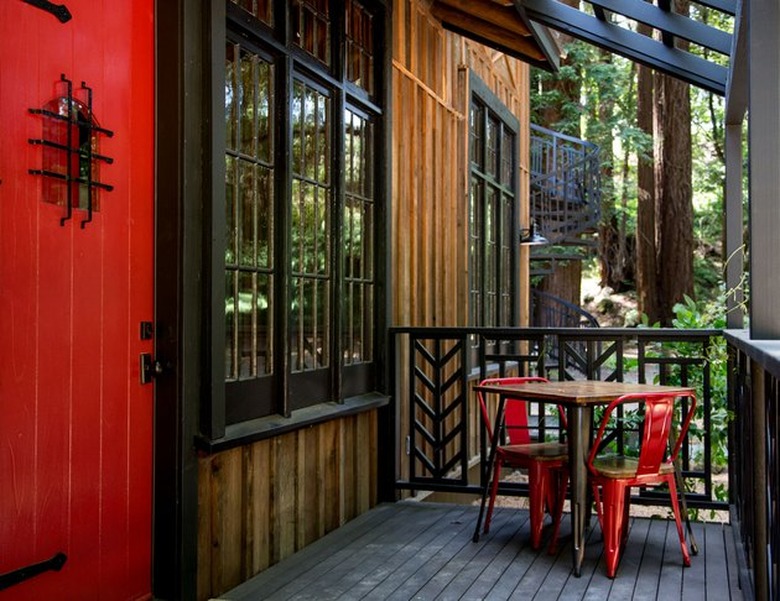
(565, 196)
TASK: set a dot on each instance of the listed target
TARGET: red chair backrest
(656, 427)
(515, 410)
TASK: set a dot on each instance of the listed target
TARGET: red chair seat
(538, 451)
(617, 466)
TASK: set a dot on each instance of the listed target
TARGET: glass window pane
(476, 134)
(265, 217)
(231, 95)
(249, 214)
(311, 28)
(359, 46)
(265, 108)
(264, 336)
(230, 326)
(507, 157)
(358, 242)
(247, 104)
(245, 325)
(310, 225)
(262, 9)
(492, 148)
(231, 237)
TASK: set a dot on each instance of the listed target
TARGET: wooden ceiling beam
(504, 17)
(490, 34)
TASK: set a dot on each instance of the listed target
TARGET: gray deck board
(411, 550)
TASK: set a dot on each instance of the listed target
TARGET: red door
(75, 421)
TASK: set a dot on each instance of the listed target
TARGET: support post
(764, 145)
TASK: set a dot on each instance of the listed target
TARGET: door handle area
(150, 368)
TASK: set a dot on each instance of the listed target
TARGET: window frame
(483, 95)
(222, 410)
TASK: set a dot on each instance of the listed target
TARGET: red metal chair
(616, 474)
(546, 463)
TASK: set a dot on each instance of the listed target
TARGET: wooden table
(579, 397)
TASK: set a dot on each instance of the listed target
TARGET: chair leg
(538, 483)
(613, 523)
(678, 521)
(493, 493)
(561, 479)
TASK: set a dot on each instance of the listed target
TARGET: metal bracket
(58, 10)
(27, 572)
(147, 330)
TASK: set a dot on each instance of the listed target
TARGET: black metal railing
(565, 186)
(441, 437)
(754, 400)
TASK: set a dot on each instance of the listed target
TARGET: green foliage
(690, 315)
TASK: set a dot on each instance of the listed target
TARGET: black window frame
(239, 404)
(494, 108)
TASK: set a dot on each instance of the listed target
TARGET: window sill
(267, 427)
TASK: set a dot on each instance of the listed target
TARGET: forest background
(660, 241)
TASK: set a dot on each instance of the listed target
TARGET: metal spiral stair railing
(565, 188)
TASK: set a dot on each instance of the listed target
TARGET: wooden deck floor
(413, 550)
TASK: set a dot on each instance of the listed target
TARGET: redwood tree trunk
(646, 264)
(564, 282)
(674, 207)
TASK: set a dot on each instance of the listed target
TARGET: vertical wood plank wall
(430, 173)
(260, 503)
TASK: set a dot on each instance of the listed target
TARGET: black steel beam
(666, 37)
(634, 46)
(670, 22)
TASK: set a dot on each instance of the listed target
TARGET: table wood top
(580, 392)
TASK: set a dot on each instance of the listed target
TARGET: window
(300, 208)
(493, 242)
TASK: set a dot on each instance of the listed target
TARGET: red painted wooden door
(75, 422)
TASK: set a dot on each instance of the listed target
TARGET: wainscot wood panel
(260, 503)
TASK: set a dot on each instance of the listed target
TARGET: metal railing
(440, 434)
(754, 400)
(565, 186)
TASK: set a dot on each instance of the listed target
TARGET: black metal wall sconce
(532, 237)
(70, 154)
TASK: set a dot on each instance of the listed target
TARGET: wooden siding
(260, 503)
(430, 163)
(431, 99)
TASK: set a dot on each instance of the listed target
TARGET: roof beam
(737, 88)
(505, 17)
(673, 23)
(509, 41)
(642, 49)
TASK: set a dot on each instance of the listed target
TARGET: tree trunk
(564, 282)
(674, 209)
(646, 265)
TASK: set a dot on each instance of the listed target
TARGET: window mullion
(283, 217)
(338, 148)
